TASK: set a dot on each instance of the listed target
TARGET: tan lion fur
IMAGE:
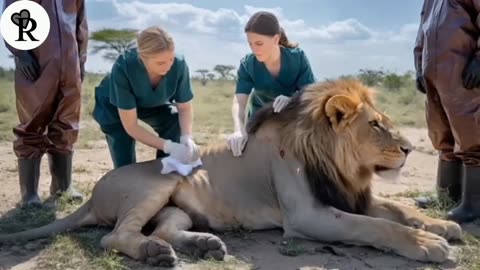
(306, 170)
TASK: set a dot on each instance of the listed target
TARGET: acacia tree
(371, 77)
(113, 41)
(224, 70)
(204, 73)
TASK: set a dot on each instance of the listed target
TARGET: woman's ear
(276, 39)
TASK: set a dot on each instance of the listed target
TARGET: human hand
(178, 151)
(236, 142)
(27, 64)
(420, 84)
(280, 103)
(187, 140)
(471, 74)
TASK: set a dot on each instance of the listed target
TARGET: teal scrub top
(253, 76)
(128, 87)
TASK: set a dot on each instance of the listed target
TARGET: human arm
(238, 139)
(82, 36)
(305, 77)
(417, 55)
(183, 101)
(25, 60)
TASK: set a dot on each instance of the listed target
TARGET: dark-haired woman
(273, 72)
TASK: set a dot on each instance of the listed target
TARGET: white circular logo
(24, 25)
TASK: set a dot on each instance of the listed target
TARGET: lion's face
(366, 133)
(381, 145)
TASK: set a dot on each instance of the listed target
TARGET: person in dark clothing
(48, 98)
(447, 63)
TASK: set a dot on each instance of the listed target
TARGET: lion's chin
(387, 173)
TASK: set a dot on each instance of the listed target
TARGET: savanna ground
(80, 249)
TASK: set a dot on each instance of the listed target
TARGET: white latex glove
(280, 103)
(237, 141)
(178, 151)
(192, 146)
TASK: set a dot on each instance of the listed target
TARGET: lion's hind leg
(172, 226)
(127, 238)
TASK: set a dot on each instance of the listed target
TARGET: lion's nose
(406, 150)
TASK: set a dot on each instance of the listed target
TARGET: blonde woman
(149, 83)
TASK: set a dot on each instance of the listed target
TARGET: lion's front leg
(332, 225)
(398, 212)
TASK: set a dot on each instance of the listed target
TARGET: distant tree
(371, 77)
(113, 41)
(203, 73)
(223, 70)
(211, 76)
(392, 81)
(347, 77)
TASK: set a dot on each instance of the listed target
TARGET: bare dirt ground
(258, 250)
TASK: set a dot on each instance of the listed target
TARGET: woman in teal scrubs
(149, 83)
(273, 72)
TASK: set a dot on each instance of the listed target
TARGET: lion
(307, 170)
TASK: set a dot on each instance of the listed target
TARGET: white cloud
(215, 36)
(181, 17)
(339, 31)
(228, 22)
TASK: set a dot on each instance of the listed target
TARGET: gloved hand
(178, 151)
(280, 103)
(420, 84)
(237, 141)
(471, 74)
(82, 71)
(192, 146)
(27, 64)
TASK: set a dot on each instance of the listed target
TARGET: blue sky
(339, 36)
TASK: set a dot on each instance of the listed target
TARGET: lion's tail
(81, 217)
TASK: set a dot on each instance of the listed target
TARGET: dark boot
(469, 209)
(449, 178)
(29, 175)
(61, 171)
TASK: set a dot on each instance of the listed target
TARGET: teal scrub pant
(162, 119)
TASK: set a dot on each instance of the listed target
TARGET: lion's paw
(445, 228)
(423, 246)
(208, 246)
(157, 252)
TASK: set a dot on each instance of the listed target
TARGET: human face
(263, 47)
(160, 63)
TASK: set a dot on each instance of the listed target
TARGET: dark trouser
(453, 119)
(163, 119)
(49, 113)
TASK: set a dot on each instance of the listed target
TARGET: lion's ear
(340, 109)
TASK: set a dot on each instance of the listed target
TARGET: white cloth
(170, 164)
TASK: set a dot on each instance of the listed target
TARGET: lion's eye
(374, 124)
